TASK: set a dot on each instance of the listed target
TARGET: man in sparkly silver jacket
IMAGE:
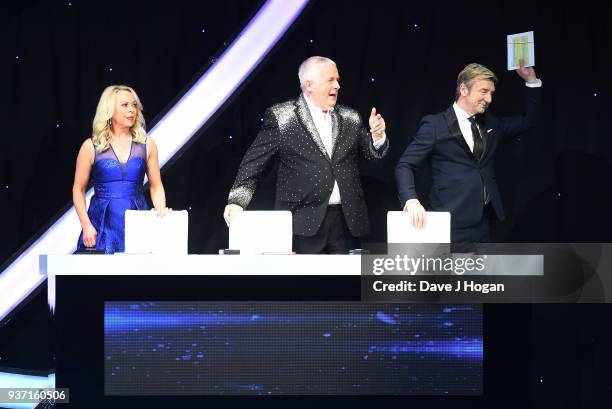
(317, 144)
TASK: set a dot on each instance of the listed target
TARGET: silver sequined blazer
(306, 173)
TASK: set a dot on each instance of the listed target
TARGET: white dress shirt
(465, 125)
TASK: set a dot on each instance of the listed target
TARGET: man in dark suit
(460, 144)
(317, 144)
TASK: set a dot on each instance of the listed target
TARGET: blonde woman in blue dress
(115, 159)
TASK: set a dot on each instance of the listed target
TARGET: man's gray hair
(307, 67)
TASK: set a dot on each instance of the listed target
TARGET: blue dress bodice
(117, 188)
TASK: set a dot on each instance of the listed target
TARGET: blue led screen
(292, 348)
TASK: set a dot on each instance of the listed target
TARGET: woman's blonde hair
(101, 135)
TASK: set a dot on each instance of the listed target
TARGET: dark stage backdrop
(401, 57)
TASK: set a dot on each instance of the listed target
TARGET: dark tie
(478, 145)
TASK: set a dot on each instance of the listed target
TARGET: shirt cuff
(380, 142)
(536, 84)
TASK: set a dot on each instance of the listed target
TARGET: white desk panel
(199, 264)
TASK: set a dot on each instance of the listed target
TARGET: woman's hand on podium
(90, 236)
(231, 210)
(161, 211)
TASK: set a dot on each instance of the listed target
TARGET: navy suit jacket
(458, 178)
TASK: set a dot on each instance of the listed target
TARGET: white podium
(261, 232)
(400, 230)
(145, 233)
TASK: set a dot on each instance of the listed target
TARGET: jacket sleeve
(512, 126)
(255, 160)
(416, 152)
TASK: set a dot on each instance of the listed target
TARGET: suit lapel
(453, 126)
(336, 129)
(485, 133)
(305, 118)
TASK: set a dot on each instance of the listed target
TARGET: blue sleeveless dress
(117, 188)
